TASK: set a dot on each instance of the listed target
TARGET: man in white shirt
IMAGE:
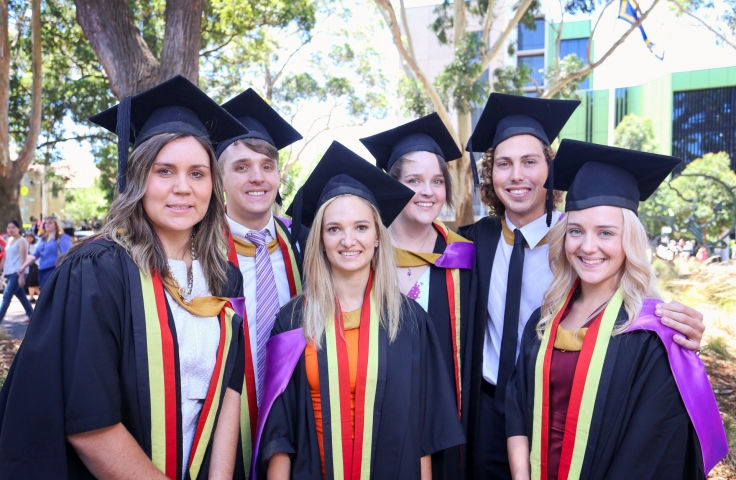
(260, 243)
(515, 133)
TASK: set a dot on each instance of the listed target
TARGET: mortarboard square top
(595, 175)
(261, 120)
(341, 172)
(505, 116)
(426, 134)
(173, 106)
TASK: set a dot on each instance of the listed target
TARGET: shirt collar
(535, 231)
(241, 231)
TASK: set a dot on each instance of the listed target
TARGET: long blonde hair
(637, 279)
(128, 225)
(320, 297)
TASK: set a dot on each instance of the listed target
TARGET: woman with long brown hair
(133, 363)
(355, 383)
(601, 389)
(434, 263)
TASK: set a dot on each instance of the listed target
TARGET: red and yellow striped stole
(248, 399)
(350, 450)
(582, 397)
(163, 383)
(406, 258)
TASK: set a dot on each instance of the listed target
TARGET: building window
(536, 65)
(704, 121)
(622, 104)
(531, 39)
(579, 47)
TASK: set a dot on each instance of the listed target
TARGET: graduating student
(601, 390)
(356, 386)
(512, 271)
(434, 262)
(260, 243)
(131, 367)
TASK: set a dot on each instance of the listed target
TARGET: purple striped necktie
(267, 301)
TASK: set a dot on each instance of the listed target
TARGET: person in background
(53, 245)
(32, 275)
(601, 390)
(15, 256)
(96, 227)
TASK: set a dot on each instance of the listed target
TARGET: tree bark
(109, 26)
(182, 39)
(13, 171)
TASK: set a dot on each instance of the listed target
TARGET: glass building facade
(704, 121)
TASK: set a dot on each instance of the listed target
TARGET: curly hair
(487, 192)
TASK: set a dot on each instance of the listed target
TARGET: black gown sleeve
(234, 287)
(237, 376)
(65, 378)
(659, 440)
(441, 428)
(517, 394)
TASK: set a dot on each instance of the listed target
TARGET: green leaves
(635, 133)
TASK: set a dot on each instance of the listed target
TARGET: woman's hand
(684, 320)
(21, 280)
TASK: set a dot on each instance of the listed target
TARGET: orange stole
(352, 322)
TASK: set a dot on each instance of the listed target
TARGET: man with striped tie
(260, 243)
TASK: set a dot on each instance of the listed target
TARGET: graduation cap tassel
(296, 215)
(122, 130)
(473, 165)
(550, 192)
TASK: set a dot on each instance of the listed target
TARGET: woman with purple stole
(434, 263)
(601, 391)
(356, 384)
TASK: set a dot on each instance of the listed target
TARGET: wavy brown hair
(488, 193)
(128, 225)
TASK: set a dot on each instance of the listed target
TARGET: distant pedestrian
(15, 255)
(52, 246)
(702, 254)
(32, 289)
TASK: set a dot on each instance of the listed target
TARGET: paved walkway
(11, 325)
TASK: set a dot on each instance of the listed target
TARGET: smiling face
(251, 182)
(594, 244)
(421, 172)
(349, 235)
(519, 172)
(179, 187)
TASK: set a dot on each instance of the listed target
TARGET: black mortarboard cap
(260, 119)
(426, 134)
(505, 116)
(173, 106)
(595, 175)
(343, 172)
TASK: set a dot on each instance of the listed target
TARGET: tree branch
(702, 22)
(77, 138)
(491, 53)
(407, 32)
(29, 146)
(385, 6)
(209, 52)
(487, 23)
(556, 87)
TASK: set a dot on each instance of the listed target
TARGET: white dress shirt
(536, 277)
(248, 269)
(198, 339)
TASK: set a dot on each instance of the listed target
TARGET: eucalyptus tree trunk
(12, 171)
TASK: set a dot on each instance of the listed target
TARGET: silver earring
(376, 245)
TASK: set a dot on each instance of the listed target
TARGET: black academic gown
(83, 366)
(447, 464)
(485, 234)
(640, 428)
(415, 414)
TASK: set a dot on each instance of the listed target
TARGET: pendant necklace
(408, 272)
(186, 296)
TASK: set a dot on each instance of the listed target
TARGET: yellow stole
(508, 235)
(248, 249)
(199, 306)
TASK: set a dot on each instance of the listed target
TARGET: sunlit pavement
(11, 324)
